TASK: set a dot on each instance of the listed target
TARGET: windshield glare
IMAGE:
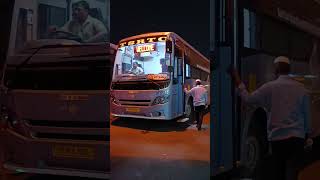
(142, 60)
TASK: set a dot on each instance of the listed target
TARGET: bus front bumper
(56, 171)
(37, 156)
(139, 117)
(156, 112)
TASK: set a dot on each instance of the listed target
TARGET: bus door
(178, 94)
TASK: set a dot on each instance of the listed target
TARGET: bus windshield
(142, 60)
(70, 21)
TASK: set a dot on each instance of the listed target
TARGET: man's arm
(257, 97)
(65, 27)
(186, 91)
(102, 33)
(140, 70)
(54, 28)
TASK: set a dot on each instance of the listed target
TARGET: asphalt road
(159, 150)
(24, 176)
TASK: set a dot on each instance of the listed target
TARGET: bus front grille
(68, 130)
(127, 102)
(72, 124)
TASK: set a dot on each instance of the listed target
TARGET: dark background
(189, 19)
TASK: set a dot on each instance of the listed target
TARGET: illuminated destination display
(157, 76)
(143, 40)
(145, 48)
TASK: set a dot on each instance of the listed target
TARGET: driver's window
(175, 72)
(50, 16)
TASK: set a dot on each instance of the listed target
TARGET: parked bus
(168, 64)
(54, 94)
(260, 32)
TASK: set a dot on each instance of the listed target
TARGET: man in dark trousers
(288, 125)
(200, 101)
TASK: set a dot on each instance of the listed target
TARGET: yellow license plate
(73, 152)
(133, 109)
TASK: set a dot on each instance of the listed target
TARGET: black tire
(256, 151)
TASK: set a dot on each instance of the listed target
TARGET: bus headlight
(9, 120)
(161, 100)
(114, 100)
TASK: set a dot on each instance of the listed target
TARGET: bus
(54, 92)
(169, 65)
(260, 31)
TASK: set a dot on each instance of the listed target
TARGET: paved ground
(311, 172)
(312, 168)
(159, 150)
(39, 177)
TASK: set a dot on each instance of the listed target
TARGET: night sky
(189, 19)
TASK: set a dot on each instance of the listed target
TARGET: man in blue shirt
(288, 125)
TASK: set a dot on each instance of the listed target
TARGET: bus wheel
(253, 152)
(190, 111)
(252, 157)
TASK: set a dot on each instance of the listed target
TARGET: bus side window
(188, 72)
(176, 65)
(175, 72)
(180, 67)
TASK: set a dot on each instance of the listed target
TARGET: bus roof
(177, 38)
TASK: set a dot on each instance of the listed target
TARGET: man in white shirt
(288, 125)
(200, 101)
(136, 69)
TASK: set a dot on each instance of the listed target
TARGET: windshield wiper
(121, 78)
(25, 62)
(159, 86)
(150, 80)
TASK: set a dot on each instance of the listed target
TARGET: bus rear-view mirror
(170, 69)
